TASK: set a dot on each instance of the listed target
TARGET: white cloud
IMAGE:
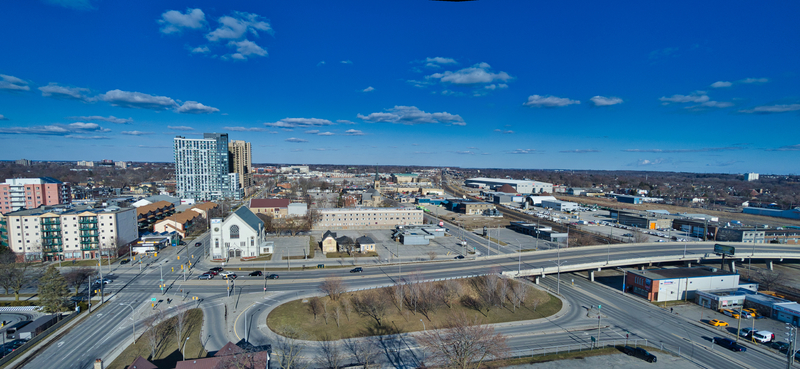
(496, 86)
(173, 21)
(476, 74)
(295, 140)
(55, 129)
(181, 128)
(321, 63)
(695, 97)
(787, 148)
(647, 162)
(244, 129)
(507, 132)
(325, 134)
(3, 117)
(346, 62)
(465, 152)
(353, 132)
(194, 107)
(537, 101)
(236, 26)
(84, 137)
(312, 132)
(61, 92)
(344, 121)
(137, 100)
(579, 151)
(13, 83)
(412, 115)
(300, 123)
(420, 84)
(368, 89)
(136, 133)
(201, 50)
(246, 48)
(712, 104)
(110, 119)
(771, 109)
(721, 84)
(754, 80)
(605, 101)
(440, 60)
(523, 151)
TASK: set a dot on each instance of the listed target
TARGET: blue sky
(695, 87)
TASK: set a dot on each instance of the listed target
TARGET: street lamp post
(183, 350)
(133, 321)
(558, 278)
(423, 325)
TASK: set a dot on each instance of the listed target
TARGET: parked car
(356, 270)
(459, 257)
(780, 346)
(198, 244)
(729, 344)
(205, 276)
(230, 275)
(217, 269)
(255, 273)
(753, 312)
(640, 353)
(730, 313)
(747, 332)
(272, 276)
(124, 261)
(718, 323)
(763, 336)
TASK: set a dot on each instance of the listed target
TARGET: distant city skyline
(690, 87)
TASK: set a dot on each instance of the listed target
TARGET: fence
(6, 309)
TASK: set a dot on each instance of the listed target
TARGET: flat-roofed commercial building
(678, 283)
(367, 218)
(520, 186)
(560, 205)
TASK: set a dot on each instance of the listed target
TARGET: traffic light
(179, 257)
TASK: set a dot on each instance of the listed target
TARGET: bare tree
(330, 354)
(519, 292)
(337, 312)
(347, 307)
(431, 254)
(325, 313)
(365, 351)
(78, 276)
(463, 343)
(315, 306)
(333, 287)
(488, 290)
(180, 322)
(503, 291)
(153, 337)
(640, 237)
(536, 299)
(451, 291)
(289, 347)
(16, 275)
(370, 304)
(768, 278)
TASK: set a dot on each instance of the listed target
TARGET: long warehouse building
(518, 185)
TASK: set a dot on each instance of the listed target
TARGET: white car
(763, 336)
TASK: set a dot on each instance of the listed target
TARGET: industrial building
(524, 187)
(645, 221)
(416, 235)
(674, 284)
(367, 218)
(559, 205)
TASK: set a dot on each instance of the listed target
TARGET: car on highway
(256, 273)
(182, 243)
(198, 244)
(640, 353)
(272, 276)
(124, 261)
(459, 257)
(229, 275)
(627, 235)
(212, 272)
(356, 270)
(103, 281)
(217, 269)
(718, 323)
(780, 346)
(729, 344)
(205, 276)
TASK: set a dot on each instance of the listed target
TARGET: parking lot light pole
(133, 321)
(558, 285)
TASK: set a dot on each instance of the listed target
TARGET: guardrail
(33, 341)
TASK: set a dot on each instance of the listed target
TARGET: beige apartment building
(51, 233)
(241, 162)
(367, 218)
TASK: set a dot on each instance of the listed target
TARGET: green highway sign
(153, 299)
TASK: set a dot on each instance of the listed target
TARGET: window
(234, 232)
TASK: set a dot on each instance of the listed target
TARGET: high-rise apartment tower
(241, 162)
(202, 168)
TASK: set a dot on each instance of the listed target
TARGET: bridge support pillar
(689, 265)
(591, 275)
(536, 280)
(769, 264)
(641, 267)
(733, 267)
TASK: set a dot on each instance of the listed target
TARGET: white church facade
(240, 235)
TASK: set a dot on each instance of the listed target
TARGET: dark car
(272, 276)
(182, 243)
(459, 257)
(356, 270)
(124, 261)
(205, 276)
(256, 273)
(780, 346)
(217, 269)
(198, 244)
(640, 353)
(729, 344)
(212, 272)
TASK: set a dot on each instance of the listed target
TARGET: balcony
(53, 249)
(51, 235)
(52, 243)
(88, 247)
(88, 220)
(88, 234)
(51, 221)
(88, 227)
(51, 228)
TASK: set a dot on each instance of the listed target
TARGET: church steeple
(377, 184)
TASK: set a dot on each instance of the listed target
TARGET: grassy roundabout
(393, 310)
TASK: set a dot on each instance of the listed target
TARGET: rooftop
(672, 273)
(269, 203)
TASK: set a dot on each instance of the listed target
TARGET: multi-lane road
(110, 326)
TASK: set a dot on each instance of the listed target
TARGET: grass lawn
(260, 258)
(336, 255)
(167, 354)
(298, 313)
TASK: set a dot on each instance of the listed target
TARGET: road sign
(153, 299)
(724, 250)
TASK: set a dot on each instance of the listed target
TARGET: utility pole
(102, 282)
(598, 325)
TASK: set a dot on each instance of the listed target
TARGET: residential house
(329, 242)
(276, 208)
(365, 244)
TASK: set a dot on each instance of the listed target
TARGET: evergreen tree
(53, 290)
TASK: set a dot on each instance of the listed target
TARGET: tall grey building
(202, 168)
(240, 157)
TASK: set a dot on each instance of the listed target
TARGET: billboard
(724, 250)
